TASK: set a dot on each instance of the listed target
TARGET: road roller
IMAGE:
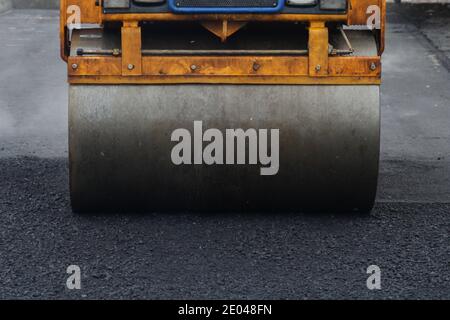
(223, 105)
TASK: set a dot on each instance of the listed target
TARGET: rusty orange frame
(316, 68)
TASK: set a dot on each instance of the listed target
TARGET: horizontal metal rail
(145, 52)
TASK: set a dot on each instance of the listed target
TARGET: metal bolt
(373, 66)
(318, 67)
(74, 66)
(256, 66)
(130, 66)
(194, 67)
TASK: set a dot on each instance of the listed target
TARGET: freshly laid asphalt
(250, 256)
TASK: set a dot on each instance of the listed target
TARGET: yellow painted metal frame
(133, 68)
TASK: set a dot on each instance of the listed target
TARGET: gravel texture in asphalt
(188, 256)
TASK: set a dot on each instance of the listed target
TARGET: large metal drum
(122, 141)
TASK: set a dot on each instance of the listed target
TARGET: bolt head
(74, 66)
(373, 66)
(194, 67)
(318, 67)
(130, 66)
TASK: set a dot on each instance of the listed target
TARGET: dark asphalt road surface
(186, 256)
(251, 256)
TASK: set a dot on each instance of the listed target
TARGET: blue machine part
(226, 6)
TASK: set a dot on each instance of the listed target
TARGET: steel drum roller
(120, 147)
